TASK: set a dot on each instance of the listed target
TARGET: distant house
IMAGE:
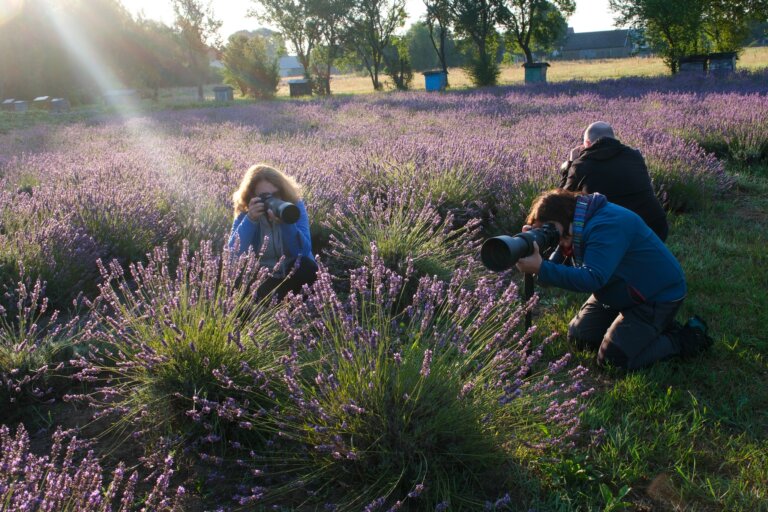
(606, 44)
(290, 66)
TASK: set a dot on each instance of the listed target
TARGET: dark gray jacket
(619, 173)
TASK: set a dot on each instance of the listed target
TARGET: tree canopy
(536, 22)
(686, 27)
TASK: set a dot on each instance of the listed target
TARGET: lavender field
(402, 380)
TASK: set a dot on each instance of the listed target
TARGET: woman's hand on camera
(530, 264)
(256, 209)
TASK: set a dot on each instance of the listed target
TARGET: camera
(285, 211)
(502, 252)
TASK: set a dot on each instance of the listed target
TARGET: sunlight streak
(9, 9)
(144, 135)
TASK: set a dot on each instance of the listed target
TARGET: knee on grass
(580, 339)
(612, 355)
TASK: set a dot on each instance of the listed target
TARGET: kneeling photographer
(268, 205)
(637, 285)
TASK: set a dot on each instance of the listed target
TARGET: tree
(159, 55)
(686, 27)
(274, 40)
(296, 21)
(438, 21)
(398, 64)
(420, 48)
(538, 22)
(551, 33)
(36, 59)
(477, 20)
(672, 29)
(249, 67)
(372, 23)
(199, 30)
(726, 23)
(333, 21)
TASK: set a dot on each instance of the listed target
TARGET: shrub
(65, 481)
(405, 231)
(39, 242)
(30, 343)
(398, 63)
(175, 340)
(127, 221)
(684, 176)
(426, 407)
(483, 69)
(248, 66)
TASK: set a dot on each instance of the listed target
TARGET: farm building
(605, 44)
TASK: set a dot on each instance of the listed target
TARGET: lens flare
(9, 9)
(141, 129)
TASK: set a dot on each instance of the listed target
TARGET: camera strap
(579, 218)
(586, 206)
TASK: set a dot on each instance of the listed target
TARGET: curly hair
(288, 188)
(556, 205)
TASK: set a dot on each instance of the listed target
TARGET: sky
(590, 15)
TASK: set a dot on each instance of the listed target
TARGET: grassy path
(693, 435)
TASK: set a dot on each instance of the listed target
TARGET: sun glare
(9, 9)
(143, 134)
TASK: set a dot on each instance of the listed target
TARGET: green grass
(685, 435)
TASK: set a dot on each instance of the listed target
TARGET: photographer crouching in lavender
(605, 165)
(636, 283)
(270, 216)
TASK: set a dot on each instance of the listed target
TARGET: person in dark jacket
(605, 165)
(259, 230)
(636, 283)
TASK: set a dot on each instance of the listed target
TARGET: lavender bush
(122, 187)
(339, 399)
(36, 242)
(67, 480)
(412, 410)
(167, 342)
(401, 229)
(32, 341)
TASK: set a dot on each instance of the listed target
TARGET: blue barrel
(435, 80)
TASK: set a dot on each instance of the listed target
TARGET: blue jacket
(296, 239)
(624, 262)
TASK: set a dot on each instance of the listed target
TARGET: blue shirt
(296, 238)
(624, 262)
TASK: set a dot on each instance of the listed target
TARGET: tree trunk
(376, 65)
(327, 84)
(442, 55)
(528, 55)
(200, 96)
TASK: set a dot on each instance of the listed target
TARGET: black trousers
(633, 338)
(305, 273)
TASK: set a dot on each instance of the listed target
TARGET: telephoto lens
(502, 252)
(285, 211)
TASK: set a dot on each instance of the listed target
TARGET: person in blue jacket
(636, 283)
(256, 229)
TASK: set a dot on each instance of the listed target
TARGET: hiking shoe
(696, 322)
(694, 338)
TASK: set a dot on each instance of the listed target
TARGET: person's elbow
(592, 281)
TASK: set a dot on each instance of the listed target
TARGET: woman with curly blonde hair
(258, 229)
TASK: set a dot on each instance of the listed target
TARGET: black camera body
(502, 252)
(285, 211)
